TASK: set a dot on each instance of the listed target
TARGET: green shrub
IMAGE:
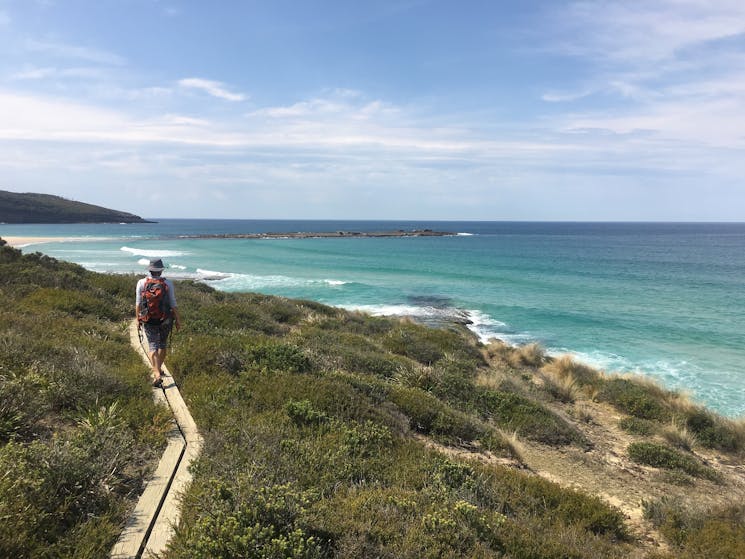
(277, 356)
(428, 345)
(73, 302)
(659, 456)
(303, 413)
(429, 415)
(637, 426)
(698, 532)
(715, 432)
(22, 404)
(634, 399)
(261, 523)
(531, 420)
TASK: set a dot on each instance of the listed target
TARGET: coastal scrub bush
(263, 522)
(428, 345)
(634, 399)
(697, 532)
(528, 418)
(22, 405)
(277, 356)
(72, 302)
(715, 432)
(636, 426)
(660, 456)
(427, 414)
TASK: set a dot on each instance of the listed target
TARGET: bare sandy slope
(607, 472)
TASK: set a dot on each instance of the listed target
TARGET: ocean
(663, 299)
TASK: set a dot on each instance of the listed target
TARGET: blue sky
(593, 110)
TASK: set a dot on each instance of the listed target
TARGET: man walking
(156, 311)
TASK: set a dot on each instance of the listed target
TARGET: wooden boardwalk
(151, 525)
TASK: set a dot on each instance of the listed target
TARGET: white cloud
(75, 52)
(42, 73)
(652, 30)
(4, 19)
(214, 88)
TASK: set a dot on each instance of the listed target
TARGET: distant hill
(30, 207)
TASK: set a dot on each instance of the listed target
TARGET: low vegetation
(78, 428)
(328, 433)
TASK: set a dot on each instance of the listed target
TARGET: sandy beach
(20, 242)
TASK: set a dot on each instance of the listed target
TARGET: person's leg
(155, 344)
(159, 358)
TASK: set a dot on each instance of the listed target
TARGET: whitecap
(335, 283)
(152, 253)
(464, 234)
(211, 275)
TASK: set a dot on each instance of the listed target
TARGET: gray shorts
(157, 334)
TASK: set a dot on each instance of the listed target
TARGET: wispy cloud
(42, 73)
(214, 88)
(75, 52)
(667, 69)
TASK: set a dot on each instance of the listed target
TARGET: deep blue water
(663, 299)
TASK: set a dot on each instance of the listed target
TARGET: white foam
(249, 282)
(464, 234)
(153, 253)
(177, 266)
(386, 310)
(213, 275)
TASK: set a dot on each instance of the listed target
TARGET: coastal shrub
(373, 363)
(356, 323)
(22, 405)
(72, 302)
(715, 432)
(528, 418)
(636, 426)
(660, 456)
(277, 356)
(303, 413)
(427, 414)
(428, 345)
(634, 399)
(46, 490)
(698, 531)
(194, 352)
(257, 522)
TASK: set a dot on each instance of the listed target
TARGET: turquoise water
(663, 299)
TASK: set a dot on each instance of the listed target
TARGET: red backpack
(155, 304)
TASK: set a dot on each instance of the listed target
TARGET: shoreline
(21, 242)
(324, 235)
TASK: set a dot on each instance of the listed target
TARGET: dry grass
(583, 413)
(679, 436)
(531, 355)
(514, 446)
(566, 366)
(492, 378)
(565, 389)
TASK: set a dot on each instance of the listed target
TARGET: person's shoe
(158, 382)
